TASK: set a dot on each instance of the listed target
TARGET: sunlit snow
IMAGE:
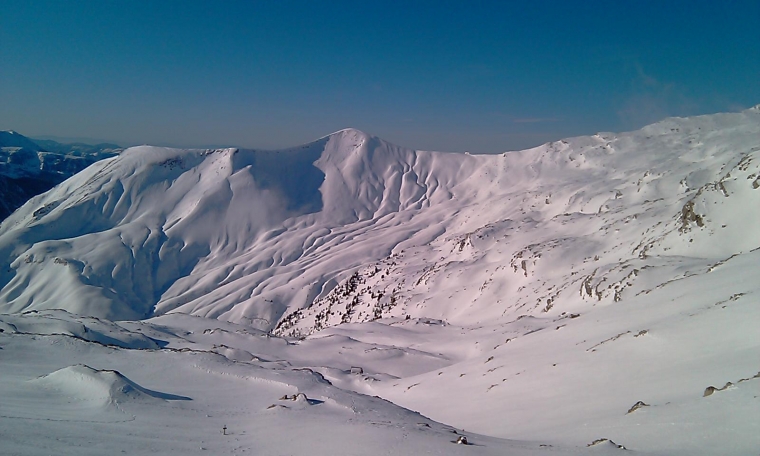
(349, 296)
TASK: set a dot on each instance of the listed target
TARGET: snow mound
(83, 383)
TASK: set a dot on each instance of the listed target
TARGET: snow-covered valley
(538, 302)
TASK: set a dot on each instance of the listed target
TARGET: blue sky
(437, 75)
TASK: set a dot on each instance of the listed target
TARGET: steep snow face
(351, 228)
(202, 231)
(124, 229)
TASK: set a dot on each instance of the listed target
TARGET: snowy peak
(22, 157)
(367, 177)
(28, 169)
(19, 156)
(10, 138)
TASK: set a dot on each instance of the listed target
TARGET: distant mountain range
(30, 167)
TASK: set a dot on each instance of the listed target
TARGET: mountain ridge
(224, 231)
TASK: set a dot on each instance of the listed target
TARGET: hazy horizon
(483, 78)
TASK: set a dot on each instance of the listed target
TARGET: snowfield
(586, 296)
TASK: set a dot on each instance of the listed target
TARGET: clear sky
(437, 75)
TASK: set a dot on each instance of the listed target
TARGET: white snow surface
(532, 298)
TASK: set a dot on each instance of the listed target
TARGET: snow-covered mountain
(543, 293)
(28, 168)
(351, 228)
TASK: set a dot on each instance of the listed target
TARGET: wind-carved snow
(565, 226)
(554, 288)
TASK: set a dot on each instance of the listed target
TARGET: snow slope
(198, 401)
(535, 295)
